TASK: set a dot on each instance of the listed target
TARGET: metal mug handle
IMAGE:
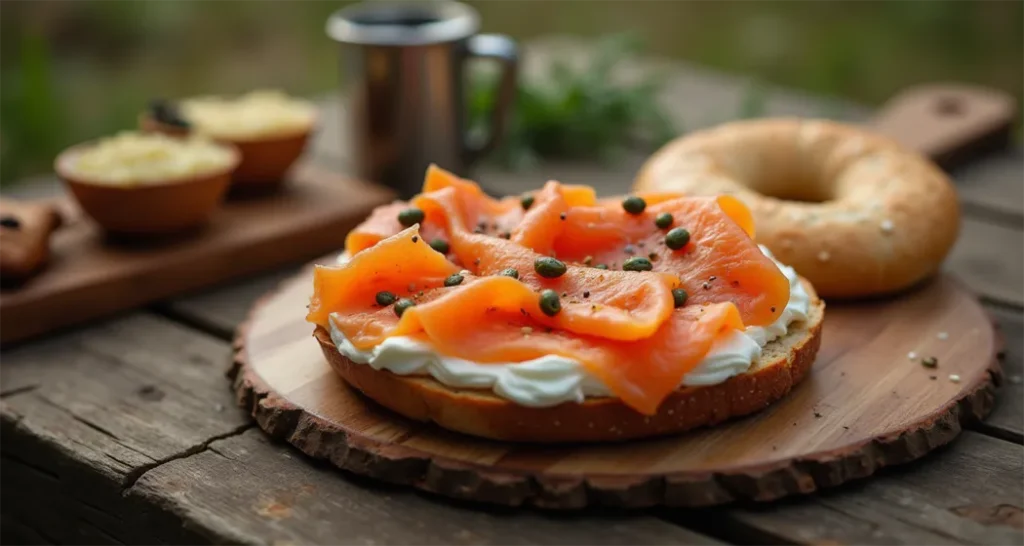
(504, 50)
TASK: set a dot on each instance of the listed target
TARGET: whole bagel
(854, 212)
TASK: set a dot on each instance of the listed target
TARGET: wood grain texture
(245, 489)
(967, 493)
(865, 406)
(1007, 419)
(989, 258)
(90, 276)
(83, 414)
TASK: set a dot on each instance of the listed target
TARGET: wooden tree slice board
(865, 405)
(89, 276)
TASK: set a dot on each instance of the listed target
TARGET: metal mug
(404, 66)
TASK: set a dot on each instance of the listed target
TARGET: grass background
(74, 70)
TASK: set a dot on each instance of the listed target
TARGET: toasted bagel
(784, 363)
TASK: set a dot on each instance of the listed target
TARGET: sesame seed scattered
(590, 425)
(887, 226)
(558, 424)
(912, 355)
(942, 335)
(670, 412)
(526, 330)
(954, 378)
(824, 256)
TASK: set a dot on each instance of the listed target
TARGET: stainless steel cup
(403, 66)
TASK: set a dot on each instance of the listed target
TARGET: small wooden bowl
(265, 160)
(167, 207)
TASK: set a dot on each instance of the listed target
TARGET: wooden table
(126, 430)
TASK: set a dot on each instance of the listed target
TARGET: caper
(526, 201)
(637, 263)
(679, 297)
(10, 222)
(663, 220)
(402, 305)
(634, 204)
(550, 305)
(410, 216)
(677, 238)
(549, 268)
(385, 298)
(439, 245)
(453, 280)
(510, 272)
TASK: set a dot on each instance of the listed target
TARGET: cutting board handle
(951, 123)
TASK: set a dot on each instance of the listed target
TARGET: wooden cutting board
(867, 403)
(89, 276)
(864, 406)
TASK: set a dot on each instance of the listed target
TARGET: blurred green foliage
(73, 70)
(578, 112)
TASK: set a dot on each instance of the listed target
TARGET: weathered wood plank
(990, 259)
(967, 493)
(1007, 418)
(247, 489)
(993, 189)
(219, 310)
(84, 413)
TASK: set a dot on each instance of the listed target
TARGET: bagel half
(783, 364)
(855, 212)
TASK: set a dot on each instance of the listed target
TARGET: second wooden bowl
(265, 160)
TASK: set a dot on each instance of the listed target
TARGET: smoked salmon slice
(508, 322)
(629, 328)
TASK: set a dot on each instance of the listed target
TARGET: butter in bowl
(148, 183)
(269, 128)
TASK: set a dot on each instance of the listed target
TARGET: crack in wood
(135, 474)
(113, 437)
(42, 471)
(194, 321)
(18, 390)
(998, 433)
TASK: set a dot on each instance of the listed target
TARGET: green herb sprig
(578, 112)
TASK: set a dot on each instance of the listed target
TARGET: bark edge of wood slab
(950, 122)
(280, 377)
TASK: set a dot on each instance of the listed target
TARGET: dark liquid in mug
(404, 18)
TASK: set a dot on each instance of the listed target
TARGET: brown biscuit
(25, 230)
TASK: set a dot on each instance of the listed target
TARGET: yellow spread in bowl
(132, 158)
(257, 114)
